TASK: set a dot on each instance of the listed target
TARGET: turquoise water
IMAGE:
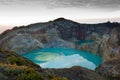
(84, 41)
(63, 58)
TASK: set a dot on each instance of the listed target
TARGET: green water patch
(63, 58)
(84, 41)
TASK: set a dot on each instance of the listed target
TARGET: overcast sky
(23, 12)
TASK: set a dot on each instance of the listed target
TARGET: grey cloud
(65, 3)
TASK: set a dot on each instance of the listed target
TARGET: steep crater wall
(58, 33)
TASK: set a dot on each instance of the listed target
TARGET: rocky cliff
(110, 69)
(57, 33)
(111, 56)
(66, 33)
(112, 46)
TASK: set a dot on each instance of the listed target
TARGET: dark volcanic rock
(35, 36)
(111, 56)
(76, 73)
(110, 69)
(112, 46)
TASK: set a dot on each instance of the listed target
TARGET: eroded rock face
(23, 43)
(96, 46)
(112, 46)
(110, 69)
(57, 33)
(111, 56)
(59, 43)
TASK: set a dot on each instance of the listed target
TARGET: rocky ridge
(60, 32)
(66, 33)
(111, 66)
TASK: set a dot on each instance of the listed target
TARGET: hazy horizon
(86, 21)
(24, 12)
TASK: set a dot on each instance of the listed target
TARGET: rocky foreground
(66, 33)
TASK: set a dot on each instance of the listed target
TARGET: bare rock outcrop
(60, 33)
(110, 69)
(111, 56)
(112, 46)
